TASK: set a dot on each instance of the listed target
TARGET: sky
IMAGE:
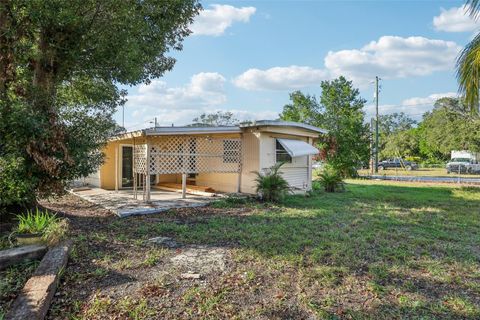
(247, 56)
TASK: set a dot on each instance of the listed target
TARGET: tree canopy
(303, 108)
(217, 119)
(61, 62)
(339, 110)
(448, 126)
(392, 128)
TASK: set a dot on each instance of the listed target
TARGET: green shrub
(55, 231)
(41, 222)
(330, 179)
(271, 186)
(15, 188)
(433, 163)
(35, 221)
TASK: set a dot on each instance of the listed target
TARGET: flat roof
(183, 130)
(191, 130)
(280, 123)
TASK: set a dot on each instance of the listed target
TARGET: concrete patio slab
(123, 204)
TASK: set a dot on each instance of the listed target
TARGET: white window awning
(298, 148)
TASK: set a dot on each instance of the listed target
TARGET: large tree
(391, 128)
(402, 144)
(449, 126)
(303, 108)
(339, 110)
(343, 116)
(395, 122)
(61, 62)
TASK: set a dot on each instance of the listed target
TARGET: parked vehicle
(464, 162)
(397, 163)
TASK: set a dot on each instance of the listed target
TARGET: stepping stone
(190, 276)
(165, 241)
(200, 259)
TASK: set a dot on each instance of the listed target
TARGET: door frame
(120, 164)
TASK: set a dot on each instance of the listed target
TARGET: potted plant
(39, 227)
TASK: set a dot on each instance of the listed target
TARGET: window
(281, 154)
(231, 151)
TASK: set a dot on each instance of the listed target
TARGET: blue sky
(247, 56)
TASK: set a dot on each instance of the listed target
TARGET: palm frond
(473, 8)
(468, 73)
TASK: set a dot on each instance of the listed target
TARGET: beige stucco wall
(258, 152)
(107, 170)
(250, 160)
(296, 173)
(223, 182)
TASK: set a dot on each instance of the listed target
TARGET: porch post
(240, 161)
(147, 173)
(134, 171)
(116, 168)
(309, 164)
(239, 180)
(184, 185)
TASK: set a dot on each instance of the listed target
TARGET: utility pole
(123, 115)
(372, 147)
(155, 123)
(376, 124)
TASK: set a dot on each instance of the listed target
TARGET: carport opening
(175, 162)
(173, 182)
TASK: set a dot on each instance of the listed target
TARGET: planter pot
(29, 238)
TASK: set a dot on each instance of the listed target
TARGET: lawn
(377, 251)
(426, 172)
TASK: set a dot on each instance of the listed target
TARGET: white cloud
(389, 57)
(430, 100)
(214, 22)
(415, 107)
(280, 78)
(179, 105)
(204, 89)
(456, 19)
(393, 57)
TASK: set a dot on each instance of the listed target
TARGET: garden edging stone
(17, 255)
(34, 300)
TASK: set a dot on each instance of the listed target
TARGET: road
(460, 180)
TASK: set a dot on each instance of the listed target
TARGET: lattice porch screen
(187, 154)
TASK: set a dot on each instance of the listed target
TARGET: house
(207, 159)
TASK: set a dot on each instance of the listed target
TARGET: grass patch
(379, 250)
(12, 281)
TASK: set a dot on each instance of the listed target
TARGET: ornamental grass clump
(331, 179)
(270, 185)
(43, 223)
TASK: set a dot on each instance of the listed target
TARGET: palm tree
(468, 64)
